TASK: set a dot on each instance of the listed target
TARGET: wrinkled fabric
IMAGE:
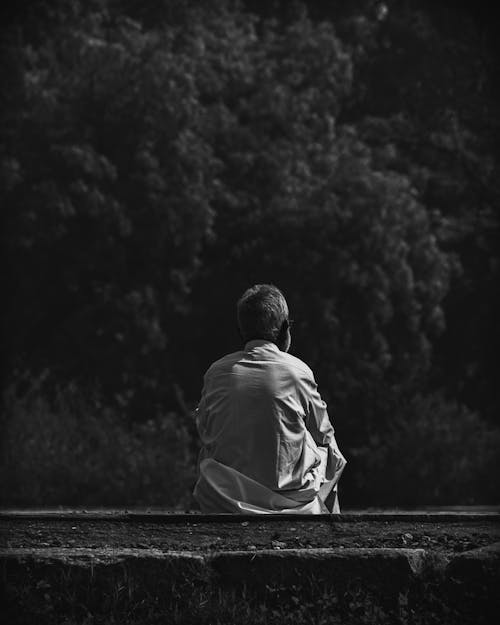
(268, 445)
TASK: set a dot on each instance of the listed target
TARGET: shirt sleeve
(317, 419)
(319, 425)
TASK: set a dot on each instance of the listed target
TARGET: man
(267, 443)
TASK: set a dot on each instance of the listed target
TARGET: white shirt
(267, 441)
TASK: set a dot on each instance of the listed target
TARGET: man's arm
(317, 419)
(319, 425)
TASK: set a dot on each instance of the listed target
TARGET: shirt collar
(261, 343)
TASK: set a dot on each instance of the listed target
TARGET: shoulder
(297, 365)
(224, 363)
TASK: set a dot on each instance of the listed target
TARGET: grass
(352, 604)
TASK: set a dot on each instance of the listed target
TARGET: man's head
(263, 314)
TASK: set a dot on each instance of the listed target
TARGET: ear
(283, 331)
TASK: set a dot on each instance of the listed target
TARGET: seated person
(267, 443)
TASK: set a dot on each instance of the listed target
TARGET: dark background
(157, 158)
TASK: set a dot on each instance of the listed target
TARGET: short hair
(262, 310)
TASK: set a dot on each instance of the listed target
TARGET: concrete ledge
(83, 572)
(165, 517)
(286, 567)
(383, 577)
(477, 572)
(113, 569)
(248, 567)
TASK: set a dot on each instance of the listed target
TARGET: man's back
(261, 415)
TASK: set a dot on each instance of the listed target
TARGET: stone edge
(198, 518)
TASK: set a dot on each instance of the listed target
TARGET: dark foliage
(156, 159)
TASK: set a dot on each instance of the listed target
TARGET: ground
(454, 534)
(131, 568)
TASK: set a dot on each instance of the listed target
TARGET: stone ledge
(393, 569)
(476, 567)
(151, 516)
(388, 572)
(281, 565)
(461, 589)
(418, 567)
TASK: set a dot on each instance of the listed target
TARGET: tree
(158, 160)
(303, 202)
(106, 188)
(438, 122)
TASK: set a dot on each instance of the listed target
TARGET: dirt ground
(442, 536)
